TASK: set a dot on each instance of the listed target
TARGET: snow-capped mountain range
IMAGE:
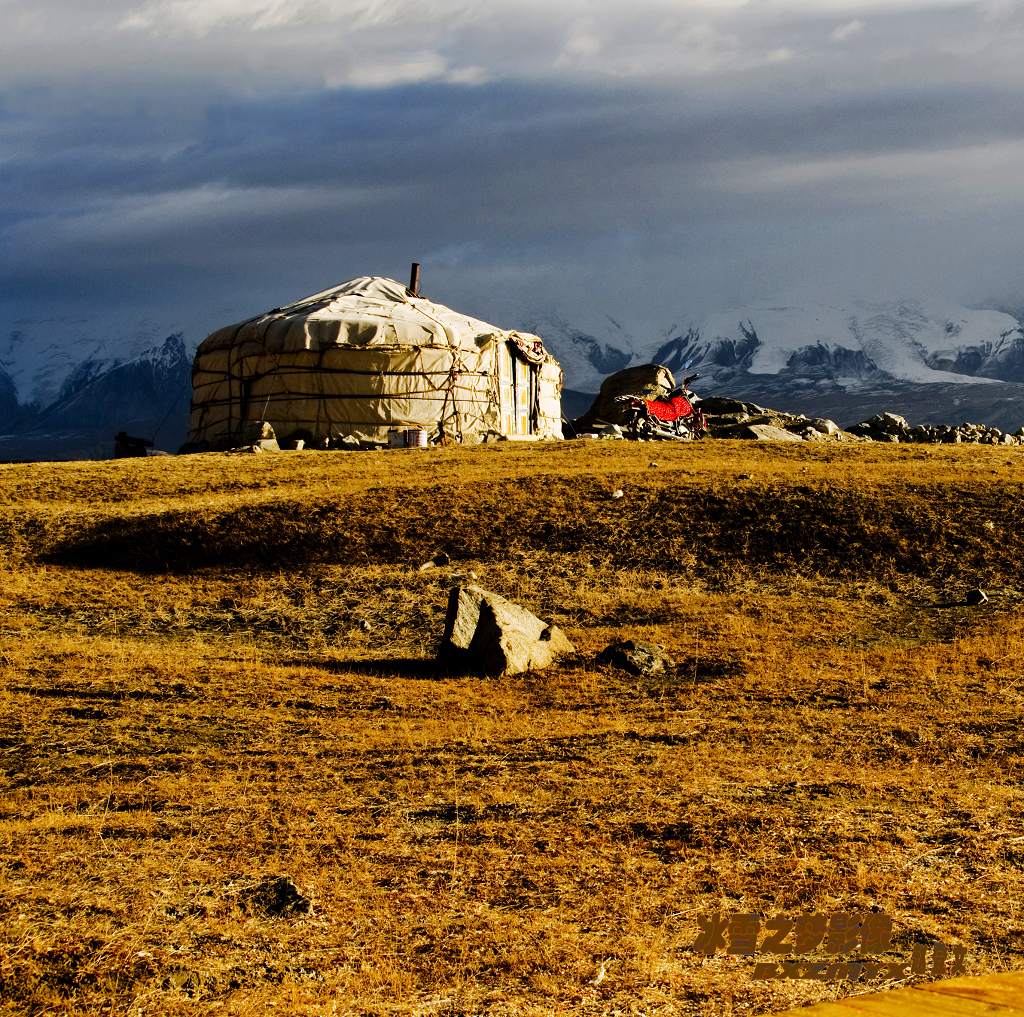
(847, 346)
(936, 363)
(851, 346)
(40, 357)
(67, 386)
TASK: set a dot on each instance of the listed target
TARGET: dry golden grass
(246, 690)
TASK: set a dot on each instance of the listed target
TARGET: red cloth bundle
(670, 410)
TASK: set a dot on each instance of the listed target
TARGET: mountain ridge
(147, 394)
(936, 364)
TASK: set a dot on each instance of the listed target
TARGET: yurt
(371, 359)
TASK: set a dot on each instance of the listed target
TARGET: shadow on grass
(107, 695)
(423, 669)
(903, 527)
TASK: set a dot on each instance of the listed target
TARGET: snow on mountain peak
(589, 348)
(901, 339)
(847, 344)
(42, 356)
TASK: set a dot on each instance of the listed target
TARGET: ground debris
(437, 562)
(636, 657)
(276, 896)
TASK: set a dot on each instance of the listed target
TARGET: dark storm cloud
(790, 124)
(424, 137)
(517, 155)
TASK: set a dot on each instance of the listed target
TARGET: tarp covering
(367, 357)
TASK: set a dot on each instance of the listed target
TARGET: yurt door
(518, 393)
(507, 376)
(523, 401)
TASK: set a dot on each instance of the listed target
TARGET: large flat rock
(767, 432)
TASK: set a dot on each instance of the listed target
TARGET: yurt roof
(368, 311)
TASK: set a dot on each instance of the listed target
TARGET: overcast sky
(199, 160)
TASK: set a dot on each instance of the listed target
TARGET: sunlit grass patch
(841, 732)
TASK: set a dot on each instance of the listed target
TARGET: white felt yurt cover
(367, 357)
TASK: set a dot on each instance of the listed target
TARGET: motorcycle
(672, 417)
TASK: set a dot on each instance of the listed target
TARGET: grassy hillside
(218, 669)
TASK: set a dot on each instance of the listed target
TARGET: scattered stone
(487, 634)
(260, 434)
(734, 418)
(891, 427)
(277, 896)
(883, 427)
(720, 420)
(437, 562)
(653, 465)
(976, 597)
(729, 418)
(366, 626)
(721, 405)
(606, 431)
(639, 658)
(767, 432)
(189, 983)
(618, 493)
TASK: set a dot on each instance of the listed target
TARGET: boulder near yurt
(367, 358)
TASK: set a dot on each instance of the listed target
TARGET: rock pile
(733, 418)
(894, 428)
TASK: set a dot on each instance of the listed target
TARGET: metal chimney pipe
(414, 280)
